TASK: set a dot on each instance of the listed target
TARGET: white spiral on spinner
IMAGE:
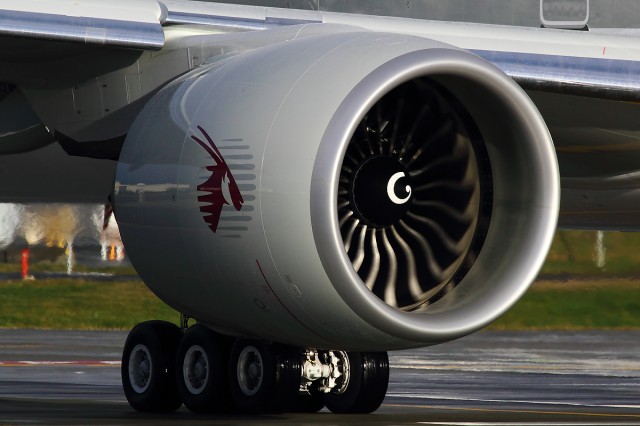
(391, 192)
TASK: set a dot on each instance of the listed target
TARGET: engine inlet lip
(433, 325)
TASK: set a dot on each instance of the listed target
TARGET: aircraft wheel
(147, 370)
(367, 386)
(309, 403)
(264, 377)
(201, 368)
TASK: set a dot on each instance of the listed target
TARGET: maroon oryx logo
(221, 186)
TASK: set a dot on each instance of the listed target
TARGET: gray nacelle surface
(228, 187)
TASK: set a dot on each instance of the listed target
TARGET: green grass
(573, 252)
(87, 305)
(576, 305)
(595, 298)
(79, 305)
(48, 266)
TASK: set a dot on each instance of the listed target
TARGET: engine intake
(414, 199)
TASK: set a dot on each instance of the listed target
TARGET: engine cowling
(350, 190)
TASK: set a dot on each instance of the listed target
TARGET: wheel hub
(140, 368)
(329, 370)
(196, 369)
(250, 371)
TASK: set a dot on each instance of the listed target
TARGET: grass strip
(88, 305)
(46, 266)
(575, 253)
(576, 305)
(66, 304)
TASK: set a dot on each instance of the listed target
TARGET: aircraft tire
(264, 377)
(147, 369)
(368, 382)
(309, 403)
(201, 370)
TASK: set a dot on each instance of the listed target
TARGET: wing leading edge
(132, 24)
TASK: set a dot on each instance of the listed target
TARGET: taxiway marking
(520, 411)
(527, 423)
(507, 401)
(87, 363)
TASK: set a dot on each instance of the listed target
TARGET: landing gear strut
(164, 366)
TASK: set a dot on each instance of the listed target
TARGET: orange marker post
(25, 263)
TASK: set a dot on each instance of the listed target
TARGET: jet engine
(348, 190)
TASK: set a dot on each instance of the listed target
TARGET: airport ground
(505, 378)
(515, 377)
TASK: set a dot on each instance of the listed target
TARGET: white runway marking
(529, 423)
(505, 401)
(88, 363)
(623, 368)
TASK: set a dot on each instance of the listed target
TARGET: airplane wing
(343, 183)
(600, 64)
(132, 24)
(555, 64)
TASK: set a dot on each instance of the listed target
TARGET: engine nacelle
(350, 190)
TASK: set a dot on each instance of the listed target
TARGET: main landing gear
(164, 367)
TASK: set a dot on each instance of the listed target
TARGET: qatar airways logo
(221, 186)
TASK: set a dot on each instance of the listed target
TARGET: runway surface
(591, 378)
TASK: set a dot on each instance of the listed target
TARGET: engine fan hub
(381, 191)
